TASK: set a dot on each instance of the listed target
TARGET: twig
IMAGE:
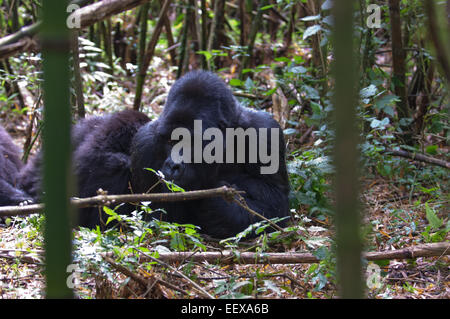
(250, 96)
(193, 283)
(241, 202)
(144, 283)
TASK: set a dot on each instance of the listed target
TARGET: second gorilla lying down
(101, 159)
(113, 150)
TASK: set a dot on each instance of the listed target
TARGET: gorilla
(202, 96)
(30, 177)
(10, 165)
(101, 159)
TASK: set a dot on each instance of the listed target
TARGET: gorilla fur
(101, 160)
(10, 165)
(203, 96)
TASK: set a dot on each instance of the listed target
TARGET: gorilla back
(101, 159)
(201, 98)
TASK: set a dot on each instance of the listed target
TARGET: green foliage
(309, 176)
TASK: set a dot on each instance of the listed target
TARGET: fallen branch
(23, 255)
(230, 257)
(227, 193)
(418, 157)
(88, 15)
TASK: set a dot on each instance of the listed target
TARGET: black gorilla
(203, 96)
(30, 177)
(10, 165)
(101, 159)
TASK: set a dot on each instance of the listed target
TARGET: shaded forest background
(277, 56)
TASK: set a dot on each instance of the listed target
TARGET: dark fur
(101, 159)
(10, 165)
(202, 95)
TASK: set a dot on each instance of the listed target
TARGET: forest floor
(422, 278)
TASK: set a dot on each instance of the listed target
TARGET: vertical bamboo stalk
(56, 146)
(346, 183)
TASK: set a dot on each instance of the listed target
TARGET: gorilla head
(203, 96)
(202, 110)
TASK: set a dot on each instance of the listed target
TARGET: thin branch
(193, 283)
(227, 193)
(142, 281)
(418, 157)
(241, 202)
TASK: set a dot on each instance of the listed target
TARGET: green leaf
(249, 84)
(298, 69)
(431, 149)
(267, 7)
(236, 82)
(282, 59)
(289, 131)
(311, 31)
(327, 5)
(321, 253)
(369, 91)
(387, 100)
(207, 54)
(435, 222)
(270, 92)
(311, 18)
